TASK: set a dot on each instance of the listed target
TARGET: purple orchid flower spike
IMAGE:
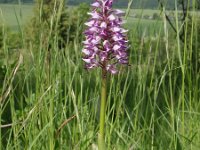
(105, 46)
(106, 42)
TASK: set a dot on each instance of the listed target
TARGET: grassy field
(50, 102)
(12, 13)
(15, 15)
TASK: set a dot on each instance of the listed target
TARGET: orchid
(106, 42)
(106, 47)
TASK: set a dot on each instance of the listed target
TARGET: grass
(149, 12)
(11, 14)
(49, 101)
(149, 27)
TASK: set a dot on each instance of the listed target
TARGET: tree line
(118, 3)
(151, 4)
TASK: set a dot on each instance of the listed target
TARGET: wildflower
(106, 42)
(105, 46)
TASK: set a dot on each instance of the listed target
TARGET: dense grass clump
(48, 101)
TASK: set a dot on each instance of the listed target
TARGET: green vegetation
(118, 3)
(12, 14)
(48, 101)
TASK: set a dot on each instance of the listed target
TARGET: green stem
(101, 138)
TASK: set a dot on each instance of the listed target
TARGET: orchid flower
(105, 46)
(106, 42)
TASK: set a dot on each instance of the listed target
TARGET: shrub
(65, 25)
(156, 16)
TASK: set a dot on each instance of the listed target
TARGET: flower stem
(101, 138)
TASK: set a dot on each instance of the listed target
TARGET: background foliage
(118, 3)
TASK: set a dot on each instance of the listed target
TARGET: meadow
(13, 15)
(49, 101)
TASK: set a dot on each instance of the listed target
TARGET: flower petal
(103, 25)
(116, 47)
(87, 60)
(116, 29)
(119, 12)
(90, 23)
(95, 15)
(111, 17)
(96, 4)
(86, 51)
(123, 61)
(112, 69)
